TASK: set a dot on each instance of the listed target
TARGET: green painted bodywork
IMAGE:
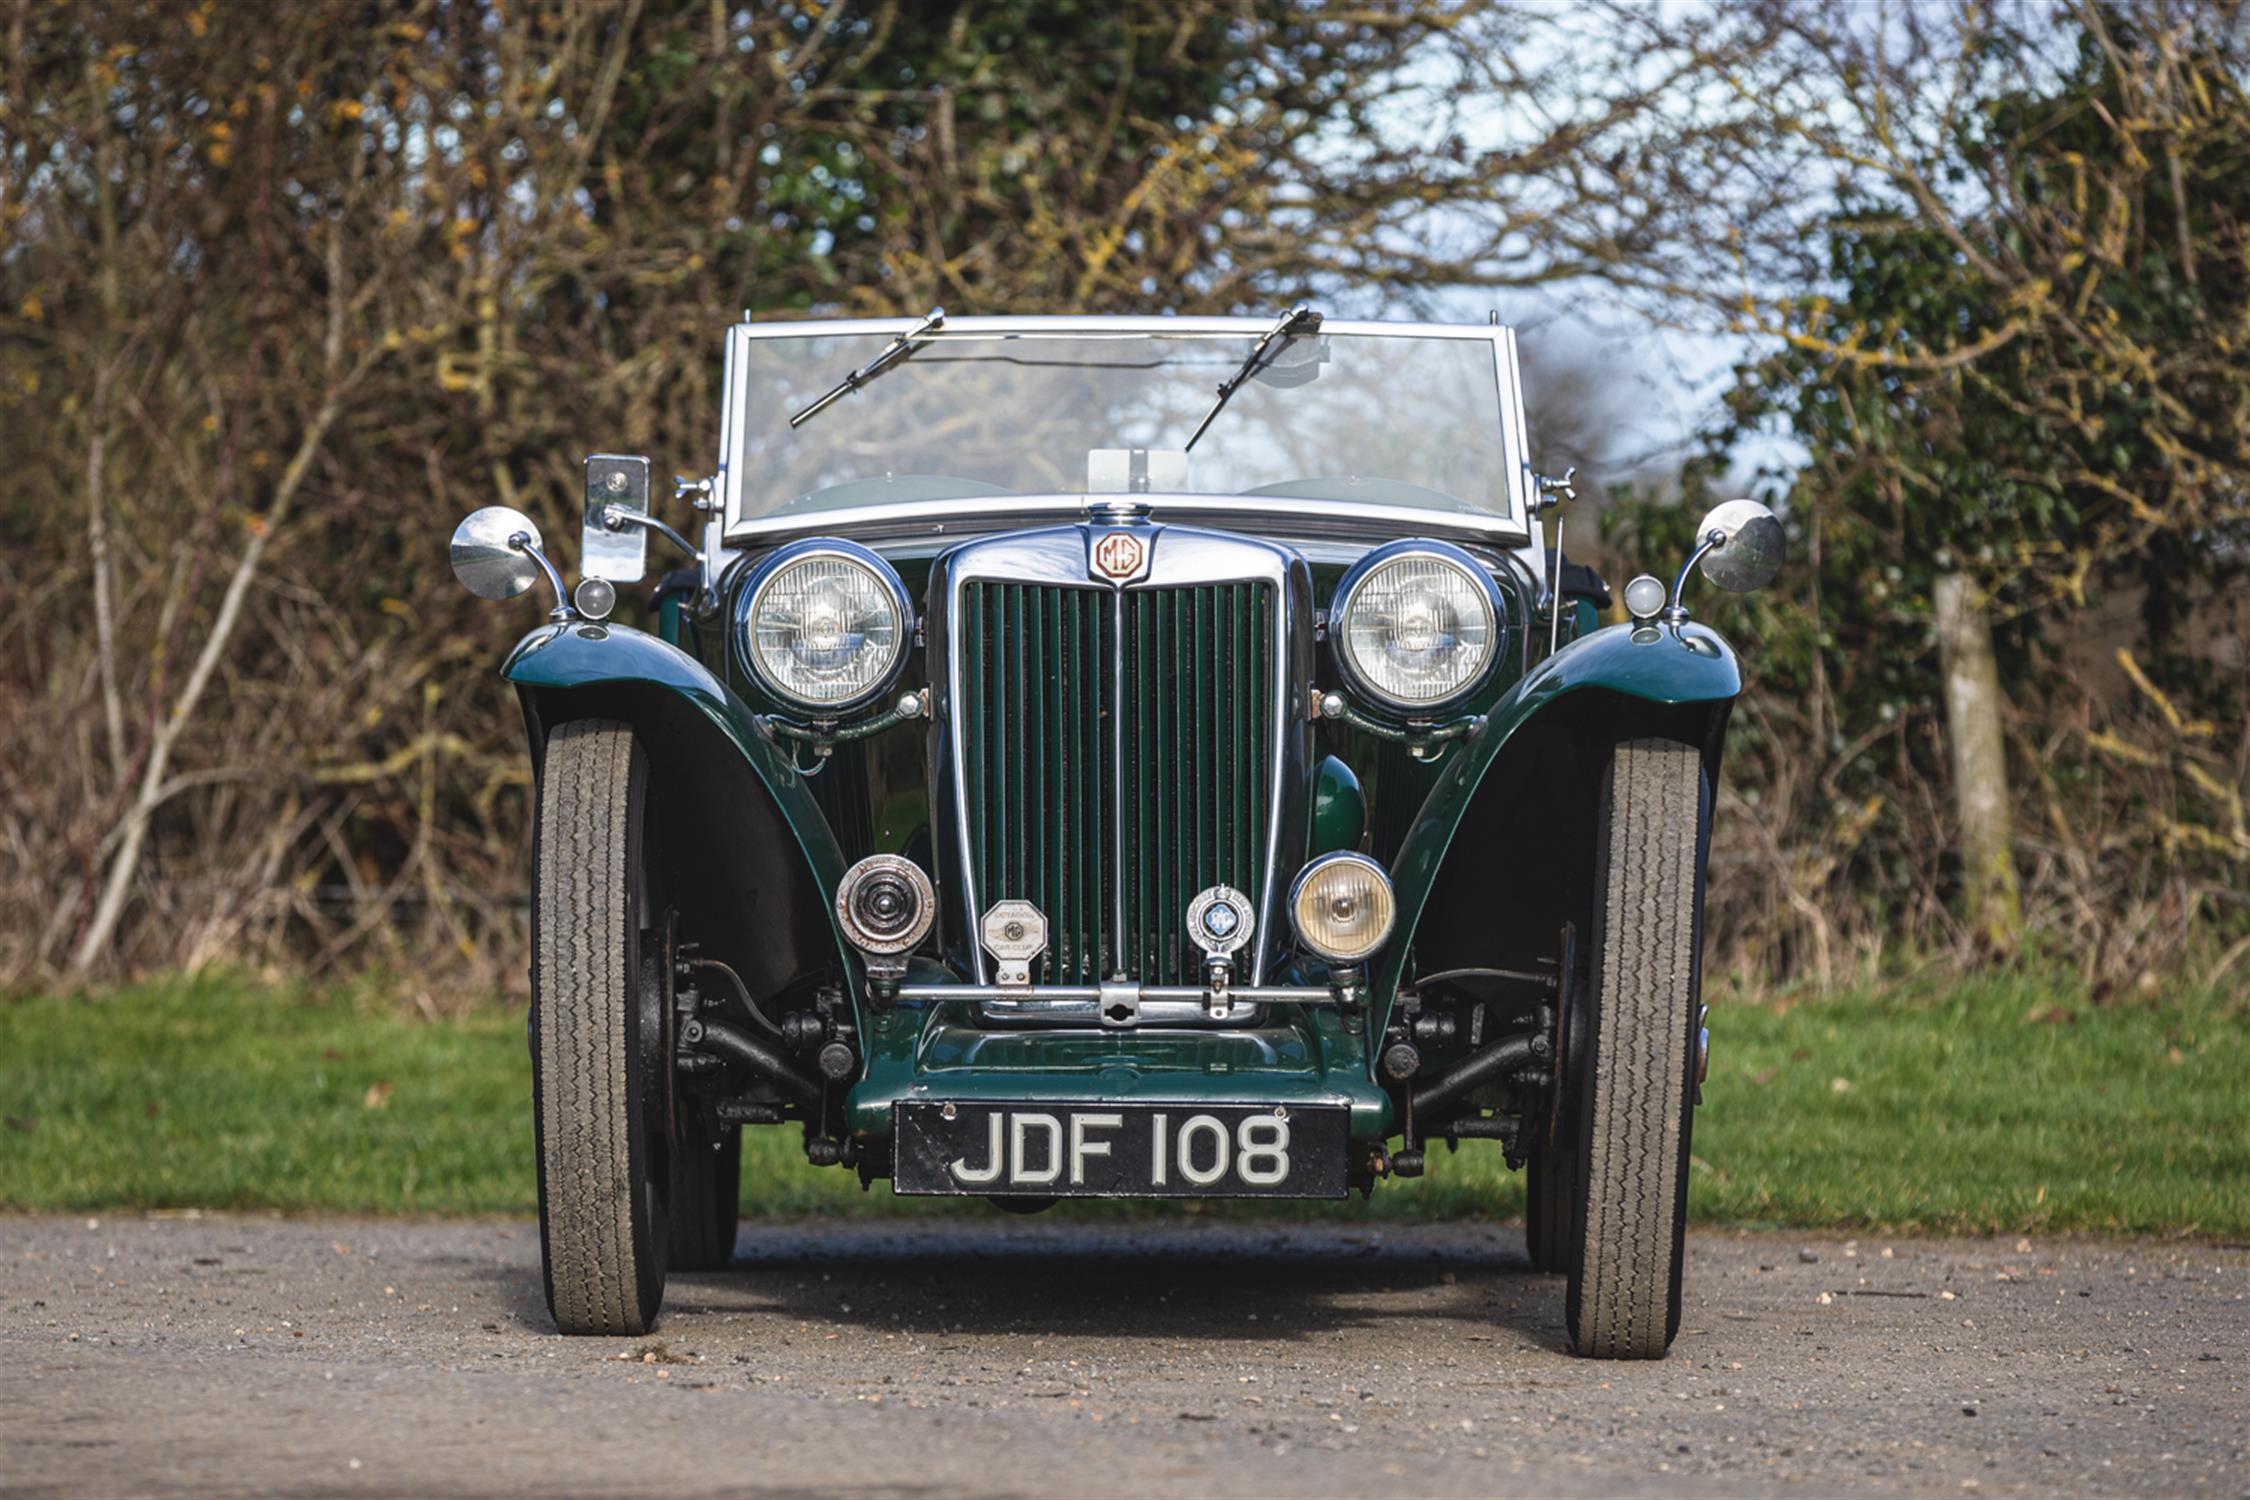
(1367, 792)
(1339, 809)
(577, 656)
(1667, 664)
(1304, 1055)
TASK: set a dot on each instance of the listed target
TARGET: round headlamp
(1342, 907)
(1416, 626)
(824, 625)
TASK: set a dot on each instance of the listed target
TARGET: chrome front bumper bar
(1123, 1005)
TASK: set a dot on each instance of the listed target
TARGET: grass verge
(1998, 1104)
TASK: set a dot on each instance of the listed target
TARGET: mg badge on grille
(1119, 556)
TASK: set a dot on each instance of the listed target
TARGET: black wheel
(601, 1063)
(706, 1201)
(1633, 1073)
(1550, 1170)
(1550, 1194)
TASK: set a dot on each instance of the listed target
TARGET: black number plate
(1120, 1150)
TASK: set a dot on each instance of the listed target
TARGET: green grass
(1999, 1104)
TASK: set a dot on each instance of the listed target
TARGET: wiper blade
(1300, 319)
(895, 353)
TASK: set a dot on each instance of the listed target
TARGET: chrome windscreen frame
(1514, 529)
(1180, 556)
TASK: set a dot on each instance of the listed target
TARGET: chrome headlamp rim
(1339, 617)
(1327, 861)
(769, 567)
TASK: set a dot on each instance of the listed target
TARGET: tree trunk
(1973, 706)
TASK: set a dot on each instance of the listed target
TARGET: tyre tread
(1648, 931)
(580, 957)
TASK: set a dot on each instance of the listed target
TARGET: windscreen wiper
(1300, 319)
(895, 353)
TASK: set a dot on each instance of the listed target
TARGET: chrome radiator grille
(1116, 756)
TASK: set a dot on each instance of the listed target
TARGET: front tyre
(1634, 1076)
(600, 1068)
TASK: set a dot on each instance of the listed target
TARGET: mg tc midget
(1114, 757)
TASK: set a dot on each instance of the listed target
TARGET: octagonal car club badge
(1120, 556)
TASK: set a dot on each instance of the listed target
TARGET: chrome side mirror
(496, 554)
(1743, 546)
(614, 543)
(1740, 546)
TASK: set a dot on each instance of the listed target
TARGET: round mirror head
(482, 559)
(1753, 551)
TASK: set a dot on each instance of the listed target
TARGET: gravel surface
(1030, 1357)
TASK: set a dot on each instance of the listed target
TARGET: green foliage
(2023, 364)
(1997, 1105)
(2042, 388)
(288, 290)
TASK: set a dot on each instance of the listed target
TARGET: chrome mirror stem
(522, 541)
(618, 520)
(1675, 613)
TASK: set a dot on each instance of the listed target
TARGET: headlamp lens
(826, 630)
(1418, 630)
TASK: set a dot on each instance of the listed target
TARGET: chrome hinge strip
(1117, 783)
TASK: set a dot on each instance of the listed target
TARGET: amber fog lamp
(885, 904)
(1342, 907)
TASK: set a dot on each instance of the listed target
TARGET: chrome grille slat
(1112, 854)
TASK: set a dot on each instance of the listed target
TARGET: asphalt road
(1033, 1357)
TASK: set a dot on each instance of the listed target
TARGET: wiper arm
(896, 352)
(1300, 319)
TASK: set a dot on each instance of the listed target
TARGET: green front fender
(1677, 680)
(755, 858)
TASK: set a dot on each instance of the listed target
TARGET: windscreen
(1401, 420)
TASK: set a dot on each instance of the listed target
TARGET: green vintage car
(1114, 757)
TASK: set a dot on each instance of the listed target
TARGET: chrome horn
(496, 554)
